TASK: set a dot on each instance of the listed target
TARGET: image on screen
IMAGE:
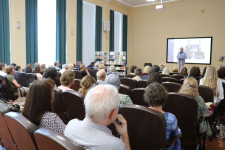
(198, 50)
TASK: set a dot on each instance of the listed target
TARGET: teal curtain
(111, 38)
(4, 32)
(98, 29)
(79, 29)
(31, 31)
(61, 31)
(125, 20)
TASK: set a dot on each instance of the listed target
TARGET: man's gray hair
(64, 66)
(100, 101)
(155, 68)
(70, 66)
(114, 80)
(111, 69)
(138, 71)
(101, 74)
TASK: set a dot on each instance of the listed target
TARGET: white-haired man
(101, 106)
(111, 69)
(101, 75)
(64, 68)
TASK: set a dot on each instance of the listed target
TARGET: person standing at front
(181, 56)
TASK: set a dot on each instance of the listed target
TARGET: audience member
(50, 72)
(132, 68)
(195, 73)
(38, 108)
(184, 71)
(70, 67)
(64, 68)
(67, 79)
(86, 84)
(155, 68)
(37, 70)
(56, 64)
(78, 64)
(37, 63)
(138, 73)
(2, 69)
(92, 65)
(96, 66)
(18, 68)
(154, 77)
(166, 71)
(101, 75)
(101, 107)
(111, 69)
(156, 96)
(190, 88)
(84, 70)
(31, 65)
(221, 74)
(147, 69)
(43, 67)
(161, 66)
(13, 64)
(28, 69)
(175, 69)
(114, 79)
(101, 66)
(211, 80)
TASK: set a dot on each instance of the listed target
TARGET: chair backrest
(22, 130)
(144, 74)
(206, 93)
(5, 88)
(125, 90)
(169, 79)
(172, 73)
(78, 74)
(74, 105)
(129, 82)
(31, 77)
(172, 86)
(57, 80)
(47, 139)
(76, 86)
(185, 108)
(129, 76)
(146, 127)
(6, 139)
(178, 76)
(58, 106)
(137, 96)
(16, 75)
(93, 73)
(141, 84)
(23, 79)
(164, 75)
(181, 81)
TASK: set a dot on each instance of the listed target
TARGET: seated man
(64, 68)
(78, 64)
(101, 75)
(96, 66)
(101, 107)
(56, 64)
(155, 68)
(111, 69)
(137, 73)
(2, 69)
(43, 67)
(18, 68)
(92, 65)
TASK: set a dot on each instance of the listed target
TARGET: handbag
(21, 99)
(221, 133)
(11, 107)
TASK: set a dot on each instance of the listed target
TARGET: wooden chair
(76, 86)
(58, 106)
(178, 76)
(130, 76)
(141, 84)
(172, 73)
(129, 82)
(181, 81)
(47, 139)
(78, 74)
(185, 108)
(164, 75)
(6, 139)
(125, 90)
(146, 128)
(206, 93)
(23, 79)
(6, 89)
(172, 86)
(16, 75)
(21, 130)
(137, 96)
(57, 80)
(31, 77)
(169, 79)
(93, 73)
(74, 105)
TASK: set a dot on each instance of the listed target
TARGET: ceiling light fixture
(160, 7)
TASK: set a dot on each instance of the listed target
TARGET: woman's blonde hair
(175, 69)
(146, 69)
(101, 66)
(190, 87)
(86, 83)
(67, 78)
(70, 66)
(82, 66)
(210, 78)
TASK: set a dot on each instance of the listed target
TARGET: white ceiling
(138, 3)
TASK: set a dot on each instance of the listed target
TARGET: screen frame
(191, 38)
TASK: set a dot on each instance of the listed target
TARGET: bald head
(101, 75)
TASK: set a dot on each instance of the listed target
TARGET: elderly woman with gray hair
(114, 80)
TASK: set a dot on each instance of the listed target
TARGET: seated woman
(211, 80)
(67, 79)
(195, 73)
(175, 69)
(156, 96)
(166, 71)
(221, 74)
(84, 70)
(114, 80)
(50, 72)
(184, 71)
(28, 69)
(37, 70)
(101, 66)
(86, 84)
(190, 88)
(132, 68)
(38, 107)
(154, 77)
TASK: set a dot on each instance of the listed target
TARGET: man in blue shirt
(78, 64)
(181, 56)
(91, 65)
(56, 64)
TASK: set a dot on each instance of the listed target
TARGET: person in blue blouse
(181, 56)
(156, 96)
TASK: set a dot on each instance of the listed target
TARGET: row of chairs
(172, 74)
(17, 132)
(24, 79)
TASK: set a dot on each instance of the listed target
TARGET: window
(118, 27)
(46, 32)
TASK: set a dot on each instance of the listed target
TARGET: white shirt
(2, 73)
(219, 91)
(39, 76)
